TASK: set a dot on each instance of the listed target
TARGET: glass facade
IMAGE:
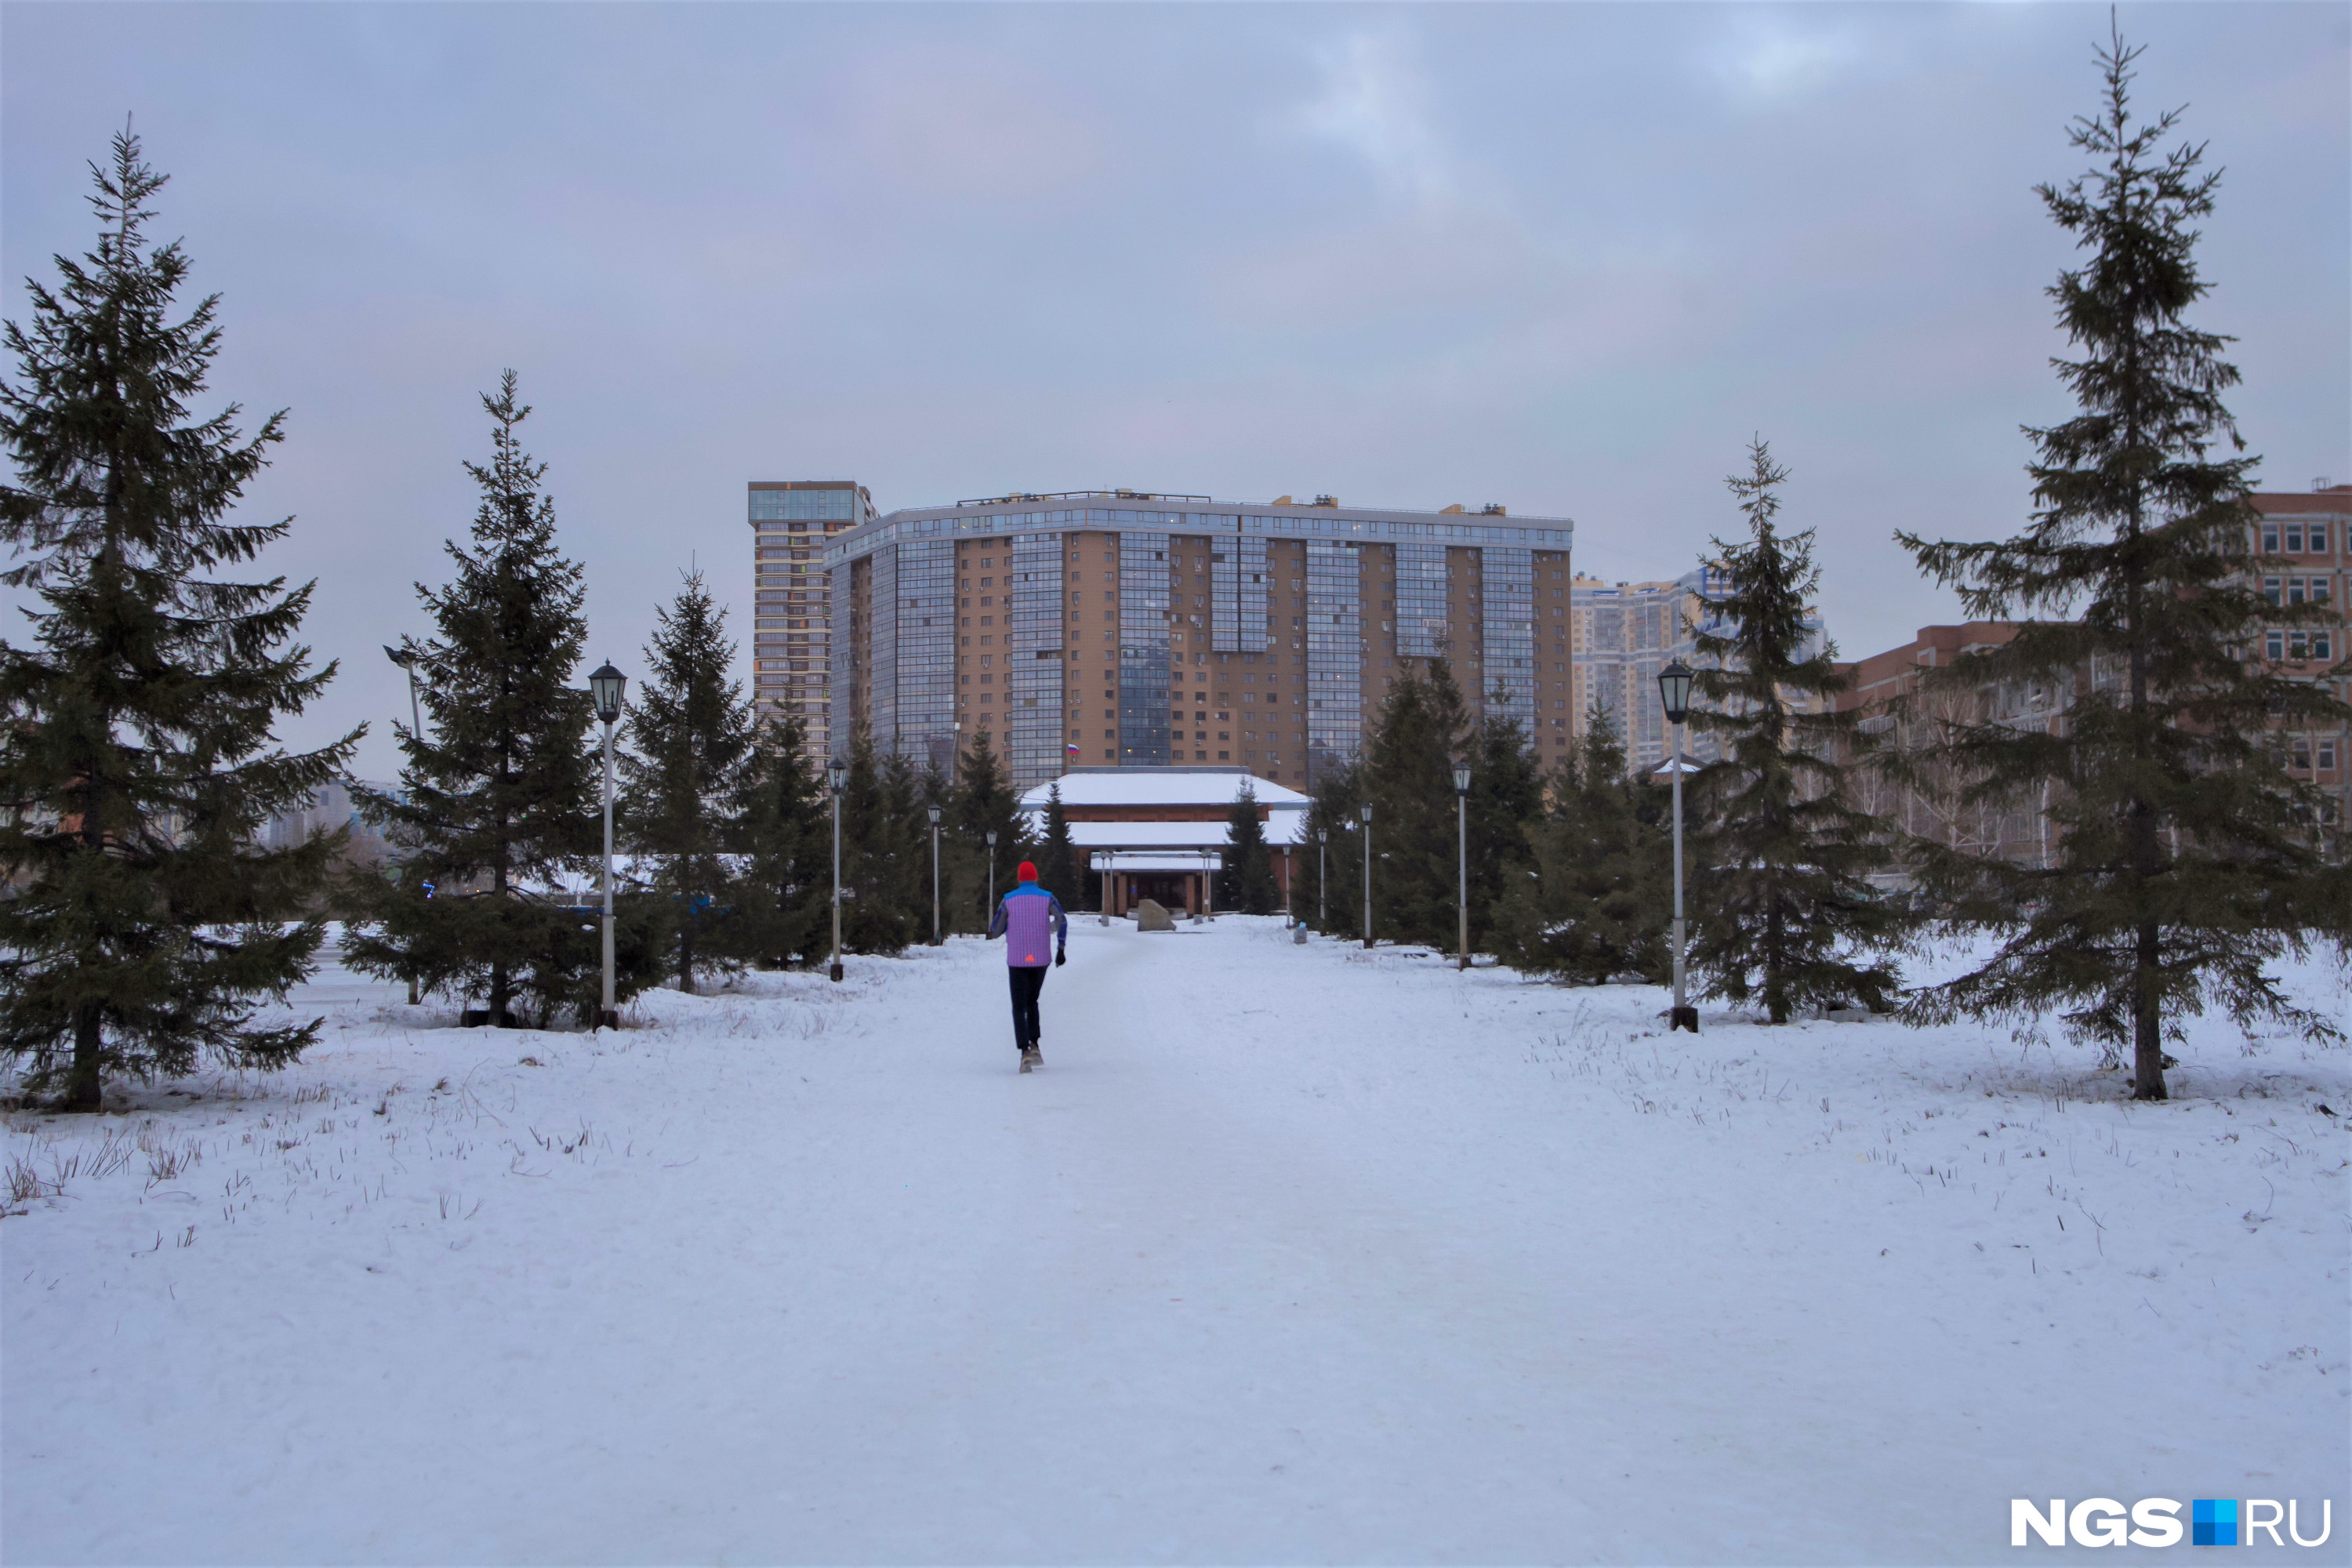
(1508, 578)
(1237, 593)
(882, 646)
(1335, 651)
(1034, 649)
(803, 506)
(1421, 608)
(925, 666)
(1143, 632)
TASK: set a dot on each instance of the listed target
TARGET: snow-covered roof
(1283, 830)
(1163, 787)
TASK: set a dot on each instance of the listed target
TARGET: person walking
(1031, 920)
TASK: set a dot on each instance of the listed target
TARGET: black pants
(1026, 983)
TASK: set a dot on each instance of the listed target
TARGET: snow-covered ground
(1290, 1254)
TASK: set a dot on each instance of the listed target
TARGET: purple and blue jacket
(1031, 920)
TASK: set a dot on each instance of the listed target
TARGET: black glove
(1061, 957)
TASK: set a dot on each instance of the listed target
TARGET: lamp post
(1322, 879)
(1367, 809)
(406, 659)
(837, 772)
(1462, 848)
(1674, 695)
(991, 874)
(935, 876)
(605, 686)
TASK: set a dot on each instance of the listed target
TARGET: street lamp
(1462, 842)
(935, 876)
(1322, 879)
(837, 772)
(991, 875)
(1674, 695)
(605, 687)
(1367, 809)
(406, 659)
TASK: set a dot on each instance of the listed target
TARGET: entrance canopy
(1146, 862)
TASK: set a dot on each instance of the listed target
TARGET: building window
(2327, 756)
(2274, 645)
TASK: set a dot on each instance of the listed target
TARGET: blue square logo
(2213, 1521)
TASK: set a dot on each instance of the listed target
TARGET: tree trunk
(83, 1083)
(2147, 1033)
(686, 954)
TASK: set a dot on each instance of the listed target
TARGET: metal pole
(934, 884)
(607, 1018)
(1462, 838)
(1367, 883)
(1683, 1016)
(1322, 884)
(837, 884)
(416, 730)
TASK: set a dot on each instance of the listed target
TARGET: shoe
(1029, 1058)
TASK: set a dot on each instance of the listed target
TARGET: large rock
(1150, 916)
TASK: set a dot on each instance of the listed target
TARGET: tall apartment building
(1624, 633)
(792, 637)
(1118, 628)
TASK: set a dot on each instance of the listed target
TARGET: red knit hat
(1028, 872)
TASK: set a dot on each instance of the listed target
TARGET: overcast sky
(1564, 258)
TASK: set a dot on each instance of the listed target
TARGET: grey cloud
(1564, 258)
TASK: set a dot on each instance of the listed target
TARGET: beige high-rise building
(1119, 628)
(791, 629)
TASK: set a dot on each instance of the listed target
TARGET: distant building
(2308, 537)
(1121, 629)
(330, 808)
(1627, 632)
(1160, 833)
(792, 521)
(2302, 538)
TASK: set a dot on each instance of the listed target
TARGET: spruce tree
(1246, 884)
(1058, 865)
(1600, 900)
(1506, 802)
(2187, 858)
(1407, 774)
(985, 802)
(1783, 912)
(1327, 893)
(884, 855)
(144, 923)
(503, 794)
(693, 749)
(786, 832)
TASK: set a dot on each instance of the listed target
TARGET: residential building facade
(792, 630)
(1624, 634)
(2305, 544)
(2299, 555)
(1123, 628)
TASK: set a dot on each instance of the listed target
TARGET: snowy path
(1359, 1260)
